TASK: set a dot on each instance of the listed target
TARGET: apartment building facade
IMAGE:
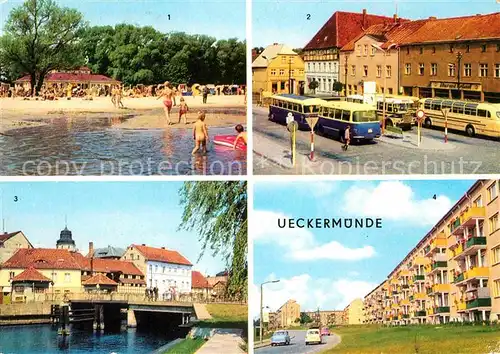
(322, 53)
(288, 314)
(453, 274)
(353, 314)
(453, 58)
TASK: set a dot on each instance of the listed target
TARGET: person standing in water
(183, 109)
(168, 99)
(242, 135)
(200, 133)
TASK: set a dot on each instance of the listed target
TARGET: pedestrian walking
(155, 291)
(347, 138)
(205, 94)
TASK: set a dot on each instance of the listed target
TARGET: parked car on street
(280, 338)
(325, 331)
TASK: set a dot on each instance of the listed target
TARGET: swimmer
(200, 133)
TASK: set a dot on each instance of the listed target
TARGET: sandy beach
(143, 113)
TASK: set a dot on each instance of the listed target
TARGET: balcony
(419, 278)
(478, 303)
(470, 216)
(420, 261)
(457, 251)
(471, 246)
(420, 296)
(439, 242)
(420, 313)
(406, 316)
(458, 278)
(405, 286)
(455, 225)
(441, 288)
(472, 274)
(441, 309)
(405, 302)
(461, 306)
(438, 265)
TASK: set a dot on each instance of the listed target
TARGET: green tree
(313, 85)
(304, 318)
(217, 211)
(337, 86)
(40, 36)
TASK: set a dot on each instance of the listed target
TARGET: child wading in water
(200, 133)
(347, 137)
(183, 109)
(242, 135)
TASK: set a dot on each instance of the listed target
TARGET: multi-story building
(373, 304)
(199, 285)
(353, 314)
(288, 314)
(58, 265)
(453, 273)
(278, 69)
(10, 243)
(321, 54)
(167, 270)
(373, 56)
(325, 318)
(109, 252)
(453, 58)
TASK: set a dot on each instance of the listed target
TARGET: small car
(280, 338)
(313, 336)
(325, 331)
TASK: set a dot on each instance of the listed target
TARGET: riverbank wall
(25, 313)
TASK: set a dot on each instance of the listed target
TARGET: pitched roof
(271, 52)
(31, 274)
(104, 265)
(132, 281)
(390, 33)
(109, 251)
(5, 236)
(72, 77)
(198, 281)
(99, 279)
(457, 29)
(162, 255)
(42, 258)
(343, 27)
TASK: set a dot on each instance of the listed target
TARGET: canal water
(96, 146)
(44, 339)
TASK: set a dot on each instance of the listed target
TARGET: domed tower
(66, 240)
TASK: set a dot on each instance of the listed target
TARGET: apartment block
(354, 313)
(288, 314)
(453, 273)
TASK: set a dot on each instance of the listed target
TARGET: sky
(285, 21)
(107, 213)
(221, 19)
(328, 268)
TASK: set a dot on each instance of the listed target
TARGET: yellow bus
(471, 117)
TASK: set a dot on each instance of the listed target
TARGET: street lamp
(262, 306)
(385, 79)
(459, 60)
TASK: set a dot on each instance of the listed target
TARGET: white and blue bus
(300, 107)
(334, 117)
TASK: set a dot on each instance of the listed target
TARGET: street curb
(273, 160)
(263, 345)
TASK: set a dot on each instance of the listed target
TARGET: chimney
(395, 18)
(91, 248)
(364, 18)
(163, 248)
(144, 244)
(432, 18)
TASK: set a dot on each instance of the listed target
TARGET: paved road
(298, 345)
(462, 155)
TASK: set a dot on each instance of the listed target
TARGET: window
(353, 70)
(451, 48)
(388, 71)
(421, 50)
(67, 277)
(301, 72)
(407, 69)
(156, 268)
(467, 69)
(54, 276)
(478, 202)
(314, 67)
(483, 48)
(324, 66)
(292, 72)
(308, 66)
(494, 223)
(497, 71)
(12, 275)
(329, 66)
(496, 288)
(451, 69)
(483, 70)
(421, 68)
(433, 50)
(282, 72)
(273, 72)
(379, 70)
(407, 50)
(163, 269)
(467, 48)
(365, 70)
(365, 50)
(283, 60)
(373, 51)
(492, 192)
(434, 69)
(498, 47)
(496, 254)
(390, 90)
(358, 50)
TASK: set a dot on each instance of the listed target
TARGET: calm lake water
(44, 339)
(95, 146)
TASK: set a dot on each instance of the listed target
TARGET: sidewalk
(201, 312)
(265, 343)
(224, 341)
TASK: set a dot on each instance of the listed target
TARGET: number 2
(308, 17)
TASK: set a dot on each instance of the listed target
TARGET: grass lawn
(187, 346)
(430, 339)
(227, 316)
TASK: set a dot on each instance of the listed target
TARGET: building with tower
(66, 240)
